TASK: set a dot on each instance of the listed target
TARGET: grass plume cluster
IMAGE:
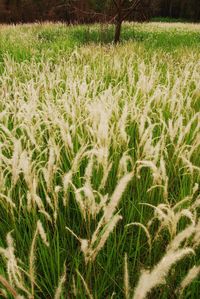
(99, 165)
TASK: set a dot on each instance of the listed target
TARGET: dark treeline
(181, 9)
(12, 11)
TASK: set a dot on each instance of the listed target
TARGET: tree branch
(116, 4)
(131, 9)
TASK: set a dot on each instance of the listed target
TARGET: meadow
(99, 161)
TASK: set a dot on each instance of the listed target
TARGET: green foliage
(53, 40)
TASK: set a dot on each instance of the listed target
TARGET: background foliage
(33, 10)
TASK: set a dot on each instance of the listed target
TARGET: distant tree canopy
(92, 10)
(185, 9)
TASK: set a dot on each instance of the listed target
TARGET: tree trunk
(170, 8)
(183, 9)
(118, 28)
(196, 11)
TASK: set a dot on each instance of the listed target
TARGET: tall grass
(99, 163)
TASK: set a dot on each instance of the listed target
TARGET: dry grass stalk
(39, 231)
(116, 196)
(126, 278)
(150, 279)
(145, 230)
(8, 287)
(85, 285)
(61, 283)
(14, 272)
(191, 275)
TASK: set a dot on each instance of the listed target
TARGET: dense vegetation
(32, 10)
(99, 161)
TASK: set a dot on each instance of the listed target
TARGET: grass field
(100, 161)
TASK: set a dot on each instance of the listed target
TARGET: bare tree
(116, 11)
(124, 9)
